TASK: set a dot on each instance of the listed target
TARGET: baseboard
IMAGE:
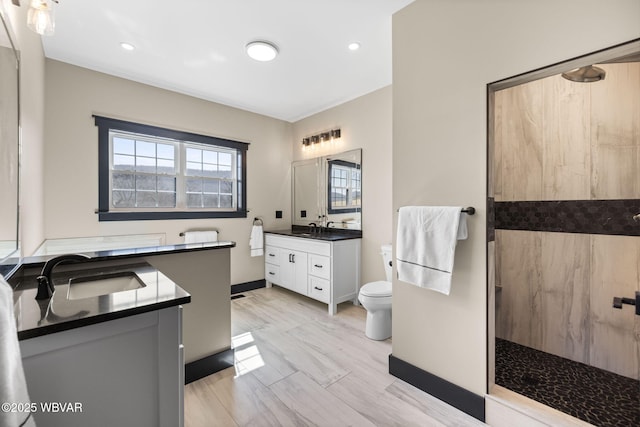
(450, 393)
(208, 365)
(247, 286)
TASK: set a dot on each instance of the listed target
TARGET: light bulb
(40, 17)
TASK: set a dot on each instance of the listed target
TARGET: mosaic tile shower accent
(491, 219)
(593, 395)
(612, 217)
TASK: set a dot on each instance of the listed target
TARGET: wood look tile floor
(298, 366)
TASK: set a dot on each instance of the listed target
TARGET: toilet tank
(386, 257)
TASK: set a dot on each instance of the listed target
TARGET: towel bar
(209, 229)
(469, 211)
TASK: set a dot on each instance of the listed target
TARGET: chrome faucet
(312, 227)
(45, 283)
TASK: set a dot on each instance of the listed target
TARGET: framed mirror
(328, 190)
(9, 146)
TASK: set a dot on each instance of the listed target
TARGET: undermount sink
(103, 284)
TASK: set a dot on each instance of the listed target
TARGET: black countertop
(36, 318)
(136, 252)
(327, 234)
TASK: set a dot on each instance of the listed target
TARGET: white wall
(32, 119)
(365, 123)
(74, 94)
(445, 53)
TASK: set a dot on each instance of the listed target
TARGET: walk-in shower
(564, 187)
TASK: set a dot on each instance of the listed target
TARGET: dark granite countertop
(36, 318)
(328, 234)
(33, 261)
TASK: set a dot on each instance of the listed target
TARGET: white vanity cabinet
(328, 271)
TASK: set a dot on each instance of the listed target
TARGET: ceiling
(197, 47)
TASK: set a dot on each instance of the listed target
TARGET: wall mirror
(9, 146)
(328, 190)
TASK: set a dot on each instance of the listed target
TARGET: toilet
(375, 297)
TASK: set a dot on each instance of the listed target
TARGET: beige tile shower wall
(615, 334)
(615, 133)
(561, 140)
(519, 143)
(566, 157)
(557, 291)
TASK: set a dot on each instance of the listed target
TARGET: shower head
(587, 74)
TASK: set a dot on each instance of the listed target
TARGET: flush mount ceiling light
(127, 46)
(262, 50)
(40, 17)
(354, 46)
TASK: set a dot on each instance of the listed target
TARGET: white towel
(426, 244)
(13, 387)
(256, 241)
(200, 236)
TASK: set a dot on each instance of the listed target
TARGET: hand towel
(426, 244)
(256, 241)
(13, 386)
(200, 236)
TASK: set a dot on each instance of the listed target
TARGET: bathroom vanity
(109, 342)
(324, 265)
(115, 358)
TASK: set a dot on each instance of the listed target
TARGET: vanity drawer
(320, 266)
(319, 289)
(272, 255)
(272, 273)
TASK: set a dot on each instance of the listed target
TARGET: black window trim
(105, 124)
(352, 165)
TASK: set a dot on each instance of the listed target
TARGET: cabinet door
(293, 270)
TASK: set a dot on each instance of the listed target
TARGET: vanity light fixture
(40, 16)
(262, 50)
(327, 136)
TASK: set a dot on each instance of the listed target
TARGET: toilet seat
(379, 289)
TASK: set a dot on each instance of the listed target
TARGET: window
(345, 187)
(147, 172)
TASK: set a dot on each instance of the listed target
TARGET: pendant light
(40, 17)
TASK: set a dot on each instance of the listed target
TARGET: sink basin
(103, 284)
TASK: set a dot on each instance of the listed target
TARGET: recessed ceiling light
(262, 51)
(354, 46)
(127, 46)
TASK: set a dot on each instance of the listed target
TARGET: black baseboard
(208, 365)
(450, 393)
(248, 286)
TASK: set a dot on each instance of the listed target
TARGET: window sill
(149, 216)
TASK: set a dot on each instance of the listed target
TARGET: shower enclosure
(564, 187)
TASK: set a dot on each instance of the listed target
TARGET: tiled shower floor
(593, 395)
